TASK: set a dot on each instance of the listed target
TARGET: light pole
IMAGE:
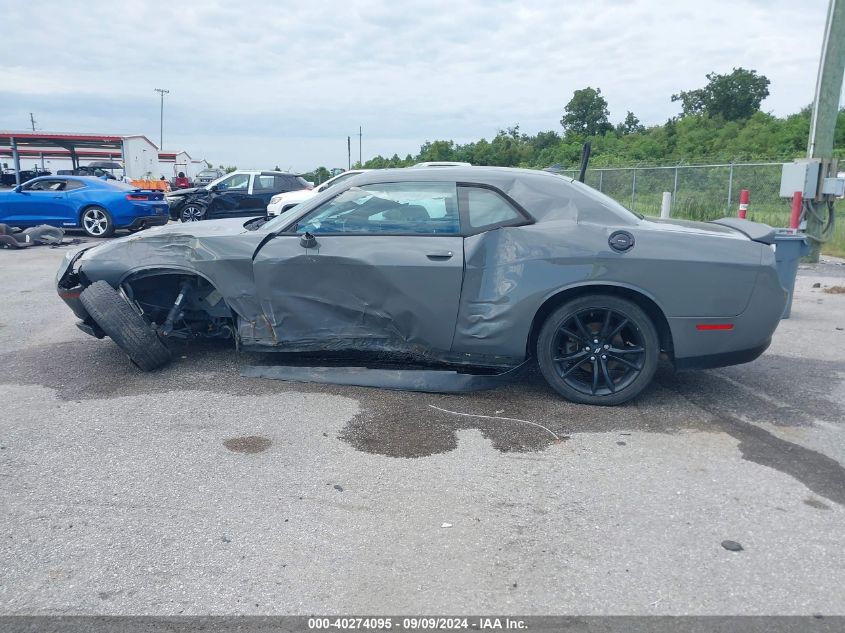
(163, 92)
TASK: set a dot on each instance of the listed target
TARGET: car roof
(443, 163)
(544, 195)
(85, 179)
(483, 175)
(262, 172)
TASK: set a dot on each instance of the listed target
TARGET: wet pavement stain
(822, 474)
(788, 392)
(250, 444)
(815, 503)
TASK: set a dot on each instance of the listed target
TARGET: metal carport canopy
(47, 140)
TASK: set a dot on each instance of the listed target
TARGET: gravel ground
(195, 491)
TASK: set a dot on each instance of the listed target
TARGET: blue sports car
(96, 206)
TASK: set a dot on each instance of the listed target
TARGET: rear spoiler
(752, 230)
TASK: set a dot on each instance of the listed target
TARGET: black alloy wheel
(598, 349)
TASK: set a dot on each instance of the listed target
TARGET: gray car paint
(479, 305)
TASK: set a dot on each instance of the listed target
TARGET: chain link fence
(699, 192)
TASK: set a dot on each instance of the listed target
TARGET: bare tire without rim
(120, 321)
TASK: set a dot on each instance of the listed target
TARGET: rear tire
(97, 222)
(598, 349)
(119, 320)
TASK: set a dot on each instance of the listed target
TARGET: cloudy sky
(258, 84)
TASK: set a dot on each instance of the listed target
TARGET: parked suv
(7, 178)
(88, 170)
(239, 194)
(282, 202)
(207, 176)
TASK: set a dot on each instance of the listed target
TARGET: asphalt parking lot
(195, 491)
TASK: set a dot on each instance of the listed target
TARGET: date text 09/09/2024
(416, 623)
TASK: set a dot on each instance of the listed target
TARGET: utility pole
(32, 121)
(163, 92)
(349, 152)
(819, 208)
(360, 135)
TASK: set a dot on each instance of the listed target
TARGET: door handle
(57, 196)
(440, 255)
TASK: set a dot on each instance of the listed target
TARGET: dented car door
(378, 269)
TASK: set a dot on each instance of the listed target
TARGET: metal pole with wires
(162, 92)
(819, 208)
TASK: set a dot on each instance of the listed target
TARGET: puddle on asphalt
(815, 503)
(249, 444)
(787, 392)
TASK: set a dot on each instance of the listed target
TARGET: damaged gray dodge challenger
(466, 266)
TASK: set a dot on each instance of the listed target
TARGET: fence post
(633, 188)
(666, 205)
(730, 187)
(795, 216)
(675, 188)
(743, 203)
(601, 175)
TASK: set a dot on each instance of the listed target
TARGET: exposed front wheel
(119, 320)
(192, 213)
(598, 349)
(97, 222)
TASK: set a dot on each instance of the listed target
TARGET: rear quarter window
(486, 207)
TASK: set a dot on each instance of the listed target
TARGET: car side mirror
(321, 188)
(213, 188)
(307, 241)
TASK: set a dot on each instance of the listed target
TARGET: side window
(285, 183)
(486, 208)
(408, 208)
(70, 185)
(47, 185)
(264, 183)
(235, 181)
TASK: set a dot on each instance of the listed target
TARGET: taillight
(714, 327)
(137, 196)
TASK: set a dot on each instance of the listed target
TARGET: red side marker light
(714, 326)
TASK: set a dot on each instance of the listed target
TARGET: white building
(58, 151)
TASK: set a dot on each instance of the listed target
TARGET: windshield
(230, 181)
(403, 207)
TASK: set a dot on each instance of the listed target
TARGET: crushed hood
(206, 228)
(187, 192)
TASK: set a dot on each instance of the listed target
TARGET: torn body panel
(511, 272)
(380, 292)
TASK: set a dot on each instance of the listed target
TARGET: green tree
(733, 96)
(437, 150)
(586, 114)
(630, 125)
(319, 175)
